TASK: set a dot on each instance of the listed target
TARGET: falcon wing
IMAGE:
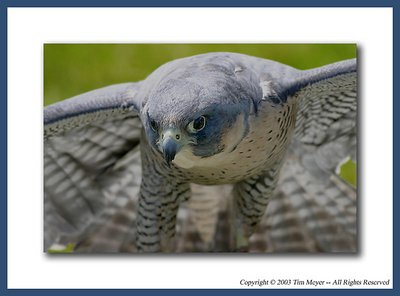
(90, 157)
(314, 209)
(327, 99)
(325, 131)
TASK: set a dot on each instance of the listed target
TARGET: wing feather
(113, 101)
(326, 124)
(88, 147)
(313, 209)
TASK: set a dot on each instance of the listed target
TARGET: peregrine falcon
(215, 152)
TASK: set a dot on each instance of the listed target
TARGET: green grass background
(71, 69)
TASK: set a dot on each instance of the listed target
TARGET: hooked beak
(169, 147)
(171, 144)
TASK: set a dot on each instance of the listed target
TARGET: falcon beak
(169, 150)
(171, 144)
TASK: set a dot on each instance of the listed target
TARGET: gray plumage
(215, 152)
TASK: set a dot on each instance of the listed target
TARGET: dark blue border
(198, 3)
(178, 3)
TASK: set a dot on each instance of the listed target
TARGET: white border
(29, 28)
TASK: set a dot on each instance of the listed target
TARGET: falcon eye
(153, 125)
(197, 125)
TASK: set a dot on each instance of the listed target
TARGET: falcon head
(195, 109)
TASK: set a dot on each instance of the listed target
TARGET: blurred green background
(71, 69)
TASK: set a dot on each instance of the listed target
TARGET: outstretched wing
(312, 202)
(90, 151)
(325, 132)
(327, 101)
